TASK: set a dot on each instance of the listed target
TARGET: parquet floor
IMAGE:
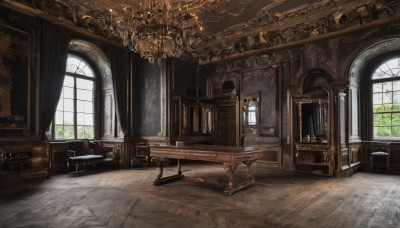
(127, 198)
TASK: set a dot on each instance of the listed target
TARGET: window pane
(80, 106)
(378, 74)
(378, 108)
(69, 81)
(89, 119)
(84, 84)
(377, 98)
(396, 98)
(81, 132)
(387, 86)
(85, 132)
(68, 105)
(396, 85)
(396, 131)
(377, 88)
(387, 98)
(381, 132)
(69, 118)
(388, 69)
(69, 132)
(84, 70)
(89, 132)
(396, 119)
(87, 71)
(68, 92)
(387, 119)
(85, 95)
(89, 107)
(378, 120)
(80, 118)
(59, 132)
(59, 117)
(396, 107)
(72, 63)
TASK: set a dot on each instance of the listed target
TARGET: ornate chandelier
(155, 29)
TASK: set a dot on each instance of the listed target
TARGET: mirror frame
(247, 99)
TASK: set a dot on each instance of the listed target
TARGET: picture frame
(15, 78)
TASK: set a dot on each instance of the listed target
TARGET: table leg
(163, 180)
(179, 167)
(160, 163)
(249, 174)
(230, 170)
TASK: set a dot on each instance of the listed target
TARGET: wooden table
(230, 157)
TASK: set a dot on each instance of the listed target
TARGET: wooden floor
(127, 198)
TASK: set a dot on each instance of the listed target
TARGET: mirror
(314, 121)
(250, 103)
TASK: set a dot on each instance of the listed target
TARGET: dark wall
(333, 55)
(148, 99)
(183, 78)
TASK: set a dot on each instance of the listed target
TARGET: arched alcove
(107, 121)
(96, 56)
(314, 79)
(369, 53)
(359, 96)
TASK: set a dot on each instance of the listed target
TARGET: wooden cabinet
(314, 158)
(20, 160)
(314, 138)
(192, 120)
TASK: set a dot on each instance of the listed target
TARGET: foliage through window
(386, 100)
(74, 117)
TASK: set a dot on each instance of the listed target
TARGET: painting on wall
(14, 78)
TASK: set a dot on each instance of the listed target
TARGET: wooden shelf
(313, 163)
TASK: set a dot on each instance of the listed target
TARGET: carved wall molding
(231, 28)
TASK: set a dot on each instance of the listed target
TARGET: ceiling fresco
(231, 27)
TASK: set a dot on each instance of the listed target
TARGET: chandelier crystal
(155, 29)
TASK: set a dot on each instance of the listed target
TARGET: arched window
(74, 117)
(385, 85)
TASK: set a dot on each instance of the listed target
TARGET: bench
(82, 153)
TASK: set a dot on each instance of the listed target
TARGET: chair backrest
(81, 147)
(380, 147)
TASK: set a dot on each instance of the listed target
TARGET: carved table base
(230, 168)
(230, 157)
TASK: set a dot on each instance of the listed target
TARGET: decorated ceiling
(231, 27)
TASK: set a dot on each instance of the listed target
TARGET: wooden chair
(379, 152)
(141, 156)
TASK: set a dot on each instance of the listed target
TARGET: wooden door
(226, 125)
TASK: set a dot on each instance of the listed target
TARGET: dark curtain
(120, 69)
(314, 120)
(54, 50)
(310, 119)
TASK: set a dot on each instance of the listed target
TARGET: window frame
(372, 82)
(95, 94)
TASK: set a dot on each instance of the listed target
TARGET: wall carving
(231, 28)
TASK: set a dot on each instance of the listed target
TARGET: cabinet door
(225, 129)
